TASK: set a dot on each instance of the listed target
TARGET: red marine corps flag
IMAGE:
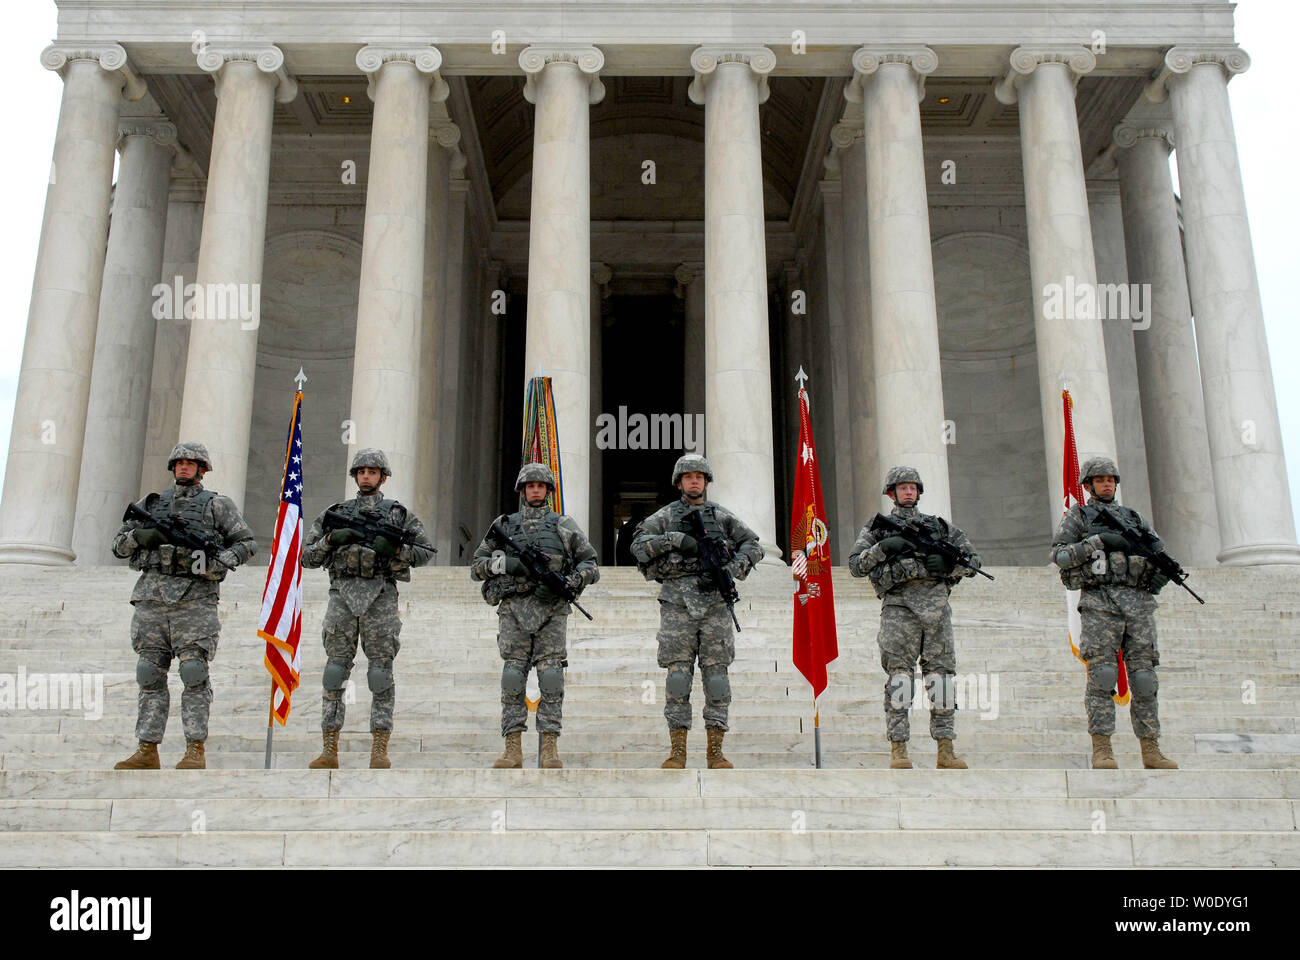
(1073, 494)
(280, 622)
(815, 646)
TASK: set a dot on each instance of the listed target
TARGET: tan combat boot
(1152, 758)
(550, 755)
(947, 759)
(379, 750)
(329, 755)
(716, 760)
(898, 755)
(677, 754)
(144, 758)
(1103, 757)
(193, 759)
(513, 758)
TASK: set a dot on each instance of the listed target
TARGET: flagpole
(817, 733)
(270, 726)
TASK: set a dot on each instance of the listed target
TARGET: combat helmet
(189, 450)
(1098, 467)
(899, 475)
(691, 463)
(370, 457)
(535, 473)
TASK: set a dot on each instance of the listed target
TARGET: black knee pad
(1143, 683)
(380, 676)
(717, 685)
(149, 675)
(335, 675)
(513, 680)
(1103, 675)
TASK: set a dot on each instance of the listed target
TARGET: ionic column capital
(212, 57)
(534, 58)
(601, 274)
(844, 134)
(157, 129)
(1180, 60)
(1127, 134)
(686, 274)
(1025, 60)
(427, 59)
(447, 135)
(705, 60)
(110, 57)
(867, 61)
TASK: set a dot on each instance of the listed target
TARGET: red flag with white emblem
(815, 644)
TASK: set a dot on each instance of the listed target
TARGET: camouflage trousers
(544, 650)
(1105, 634)
(682, 640)
(903, 639)
(187, 632)
(377, 630)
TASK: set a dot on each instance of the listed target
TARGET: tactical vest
(178, 561)
(1117, 568)
(674, 563)
(708, 514)
(885, 576)
(359, 560)
(545, 536)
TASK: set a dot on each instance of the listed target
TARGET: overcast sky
(1268, 137)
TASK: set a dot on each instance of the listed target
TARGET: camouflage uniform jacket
(903, 579)
(356, 569)
(656, 548)
(166, 572)
(1086, 565)
(516, 593)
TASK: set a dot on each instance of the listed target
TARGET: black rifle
(537, 565)
(714, 557)
(369, 526)
(915, 533)
(1143, 543)
(173, 528)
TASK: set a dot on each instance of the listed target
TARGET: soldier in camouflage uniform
(693, 619)
(531, 619)
(915, 618)
(363, 602)
(1118, 609)
(175, 602)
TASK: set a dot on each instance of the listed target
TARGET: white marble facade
(422, 211)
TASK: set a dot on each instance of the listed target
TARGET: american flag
(280, 624)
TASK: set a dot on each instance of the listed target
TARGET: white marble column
(38, 508)
(904, 320)
(835, 391)
(443, 136)
(563, 83)
(1117, 330)
(730, 82)
(690, 287)
(867, 473)
(491, 396)
(386, 363)
(1256, 523)
(1068, 336)
(452, 381)
(601, 275)
(218, 405)
(1173, 405)
(118, 408)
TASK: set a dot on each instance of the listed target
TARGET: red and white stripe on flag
(815, 644)
(280, 623)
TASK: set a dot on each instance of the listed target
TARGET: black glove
(937, 565)
(892, 546)
(385, 547)
(689, 546)
(575, 583)
(344, 536)
(1113, 541)
(1158, 582)
(515, 567)
(149, 538)
(543, 593)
